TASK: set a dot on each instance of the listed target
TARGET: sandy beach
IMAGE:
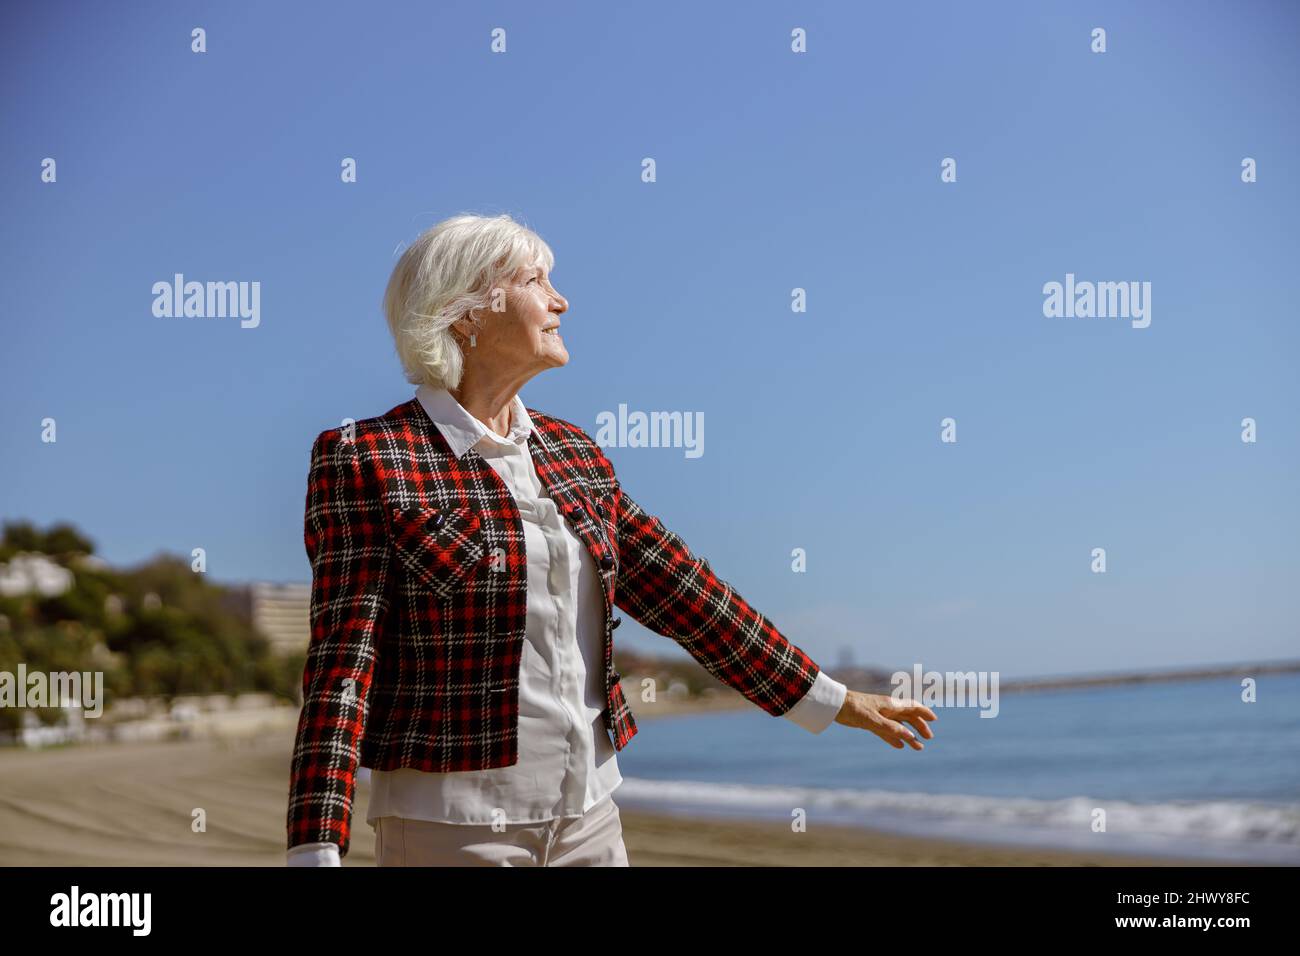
(133, 804)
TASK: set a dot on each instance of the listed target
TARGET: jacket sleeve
(675, 593)
(348, 549)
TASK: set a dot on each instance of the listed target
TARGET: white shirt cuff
(818, 707)
(313, 854)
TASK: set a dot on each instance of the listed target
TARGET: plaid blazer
(419, 604)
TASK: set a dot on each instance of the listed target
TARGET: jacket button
(600, 510)
(438, 519)
(606, 562)
(616, 622)
(574, 512)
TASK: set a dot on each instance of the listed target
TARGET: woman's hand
(881, 714)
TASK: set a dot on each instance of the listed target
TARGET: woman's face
(515, 342)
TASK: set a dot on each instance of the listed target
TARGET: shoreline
(655, 839)
(133, 804)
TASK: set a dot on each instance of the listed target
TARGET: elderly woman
(467, 554)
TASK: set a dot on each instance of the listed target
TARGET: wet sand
(133, 805)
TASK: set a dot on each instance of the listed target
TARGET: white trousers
(594, 839)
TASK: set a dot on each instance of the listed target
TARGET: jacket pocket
(439, 548)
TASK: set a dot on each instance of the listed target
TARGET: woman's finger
(905, 736)
(919, 723)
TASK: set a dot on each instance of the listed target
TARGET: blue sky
(775, 171)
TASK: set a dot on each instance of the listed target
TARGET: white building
(30, 573)
(282, 612)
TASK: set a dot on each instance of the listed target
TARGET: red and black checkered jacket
(419, 604)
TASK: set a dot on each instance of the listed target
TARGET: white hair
(448, 272)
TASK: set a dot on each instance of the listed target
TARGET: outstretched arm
(675, 593)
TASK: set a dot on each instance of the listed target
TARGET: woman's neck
(488, 402)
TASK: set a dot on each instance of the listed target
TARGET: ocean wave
(1248, 831)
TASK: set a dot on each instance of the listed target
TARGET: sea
(1179, 769)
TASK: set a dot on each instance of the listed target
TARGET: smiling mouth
(553, 330)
